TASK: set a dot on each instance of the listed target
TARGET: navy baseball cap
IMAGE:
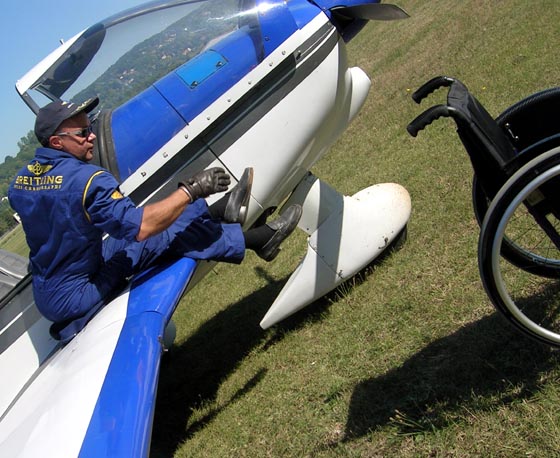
(53, 114)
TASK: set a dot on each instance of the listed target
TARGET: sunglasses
(83, 133)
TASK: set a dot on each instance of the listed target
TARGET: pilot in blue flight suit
(66, 205)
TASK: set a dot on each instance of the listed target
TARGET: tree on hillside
(8, 170)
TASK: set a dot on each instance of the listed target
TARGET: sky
(30, 30)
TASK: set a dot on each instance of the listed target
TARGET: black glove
(206, 183)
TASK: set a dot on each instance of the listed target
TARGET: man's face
(72, 138)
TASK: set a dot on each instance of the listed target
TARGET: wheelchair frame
(516, 162)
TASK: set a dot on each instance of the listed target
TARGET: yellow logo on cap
(83, 104)
(38, 169)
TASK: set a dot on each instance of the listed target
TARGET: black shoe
(238, 203)
(282, 228)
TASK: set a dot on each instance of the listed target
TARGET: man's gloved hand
(206, 183)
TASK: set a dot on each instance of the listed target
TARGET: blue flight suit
(67, 205)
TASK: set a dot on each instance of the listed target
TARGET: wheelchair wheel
(528, 300)
(524, 255)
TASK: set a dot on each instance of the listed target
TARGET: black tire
(518, 255)
(531, 302)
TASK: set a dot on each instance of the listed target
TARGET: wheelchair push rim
(500, 276)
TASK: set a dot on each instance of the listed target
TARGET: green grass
(409, 359)
(14, 241)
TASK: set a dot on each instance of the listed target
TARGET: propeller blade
(372, 12)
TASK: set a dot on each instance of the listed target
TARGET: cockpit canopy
(156, 67)
(125, 54)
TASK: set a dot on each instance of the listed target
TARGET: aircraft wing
(96, 396)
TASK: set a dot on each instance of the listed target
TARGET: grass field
(14, 241)
(410, 359)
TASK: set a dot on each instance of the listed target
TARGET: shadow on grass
(479, 367)
(192, 373)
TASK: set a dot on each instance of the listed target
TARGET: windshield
(125, 54)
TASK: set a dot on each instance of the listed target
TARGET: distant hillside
(11, 165)
(160, 54)
(8, 170)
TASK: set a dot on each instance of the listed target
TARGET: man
(66, 206)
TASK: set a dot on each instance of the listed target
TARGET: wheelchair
(516, 199)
